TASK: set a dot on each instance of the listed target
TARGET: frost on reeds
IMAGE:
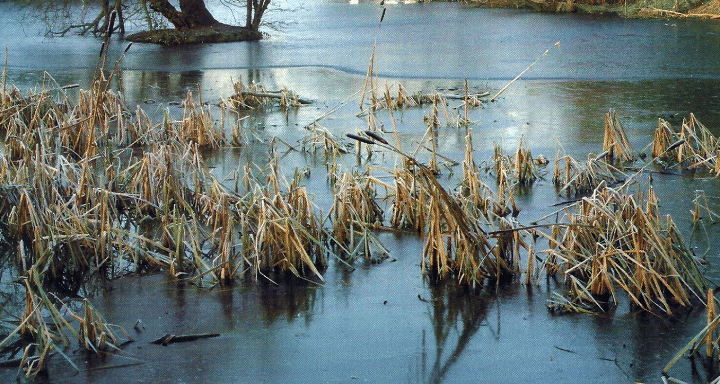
(612, 241)
(287, 232)
(573, 178)
(615, 141)
(456, 246)
(354, 215)
(693, 148)
(519, 168)
(196, 126)
(255, 96)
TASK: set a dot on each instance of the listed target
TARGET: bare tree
(93, 16)
(255, 11)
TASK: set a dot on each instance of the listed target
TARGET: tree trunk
(192, 14)
(197, 13)
(120, 17)
(260, 6)
(248, 20)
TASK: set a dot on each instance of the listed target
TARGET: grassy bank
(631, 9)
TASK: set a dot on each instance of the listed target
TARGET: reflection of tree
(454, 312)
(288, 299)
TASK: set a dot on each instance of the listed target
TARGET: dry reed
(613, 242)
(693, 148)
(255, 96)
(574, 178)
(615, 141)
(455, 244)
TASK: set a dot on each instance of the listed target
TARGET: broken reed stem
(523, 72)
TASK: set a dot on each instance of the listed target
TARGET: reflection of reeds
(456, 317)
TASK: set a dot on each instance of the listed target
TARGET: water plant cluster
(92, 189)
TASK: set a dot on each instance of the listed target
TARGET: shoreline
(643, 9)
(216, 34)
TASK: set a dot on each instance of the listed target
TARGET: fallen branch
(462, 97)
(169, 339)
(273, 96)
(115, 366)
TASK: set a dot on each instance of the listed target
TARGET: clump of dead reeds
(196, 126)
(408, 208)
(574, 178)
(614, 241)
(321, 139)
(255, 96)
(245, 97)
(355, 214)
(287, 232)
(520, 168)
(455, 244)
(80, 202)
(401, 99)
(615, 141)
(477, 198)
(694, 147)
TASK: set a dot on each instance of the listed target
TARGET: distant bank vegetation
(632, 8)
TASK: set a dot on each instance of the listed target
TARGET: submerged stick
(523, 72)
(169, 339)
(115, 366)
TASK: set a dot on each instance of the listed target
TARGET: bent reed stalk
(79, 206)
